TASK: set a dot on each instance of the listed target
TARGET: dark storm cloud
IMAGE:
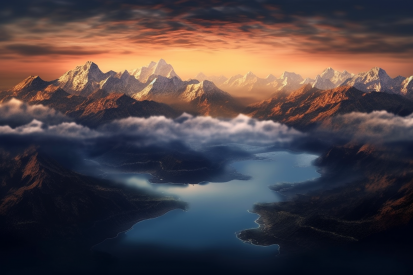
(46, 49)
(341, 26)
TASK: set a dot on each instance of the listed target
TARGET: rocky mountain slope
(308, 106)
(377, 201)
(157, 82)
(191, 96)
(98, 108)
(39, 198)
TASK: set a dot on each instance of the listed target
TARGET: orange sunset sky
(47, 38)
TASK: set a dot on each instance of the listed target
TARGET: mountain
(218, 80)
(86, 79)
(375, 196)
(322, 83)
(208, 99)
(308, 106)
(40, 198)
(101, 107)
(163, 89)
(287, 82)
(191, 96)
(161, 68)
(249, 85)
(121, 82)
(336, 77)
(375, 80)
(83, 80)
(407, 87)
(27, 88)
(98, 108)
(245, 83)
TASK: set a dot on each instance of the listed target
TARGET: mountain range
(376, 80)
(308, 106)
(93, 97)
(97, 108)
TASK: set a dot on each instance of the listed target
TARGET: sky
(50, 37)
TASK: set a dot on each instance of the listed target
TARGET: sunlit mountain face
(228, 137)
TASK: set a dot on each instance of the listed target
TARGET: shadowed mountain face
(375, 196)
(42, 199)
(308, 106)
(101, 107)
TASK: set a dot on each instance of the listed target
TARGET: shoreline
(135, 223)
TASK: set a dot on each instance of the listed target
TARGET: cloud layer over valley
(22, 119)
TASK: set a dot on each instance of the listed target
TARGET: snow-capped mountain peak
(154, 68)
(83, 80)
(374, 80)
(307, 81)
(323, 83)
(249, 75)
(328, 73)
(292, 76)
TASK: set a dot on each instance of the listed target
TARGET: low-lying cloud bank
(185, 149)
(17, 113)
(186, 143)
(203, 130)
(43, 121)
(376, 127)
(18, 118)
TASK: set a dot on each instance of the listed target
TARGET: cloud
(196, 131)
(376, 127)
(16, 113)
(203, 130)
(313, 26)
(185, 149)
(47, 49)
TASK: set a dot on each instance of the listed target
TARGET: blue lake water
(204, 236)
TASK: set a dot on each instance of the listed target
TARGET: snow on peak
(307, 81)
(377, 72)
(323, 83)
(328, 73)
(83, 80)
(291, 76)
(160, 68)
(375, 80)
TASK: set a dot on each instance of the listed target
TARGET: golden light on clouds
(217, 38)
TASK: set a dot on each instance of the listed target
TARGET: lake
(203, 238)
